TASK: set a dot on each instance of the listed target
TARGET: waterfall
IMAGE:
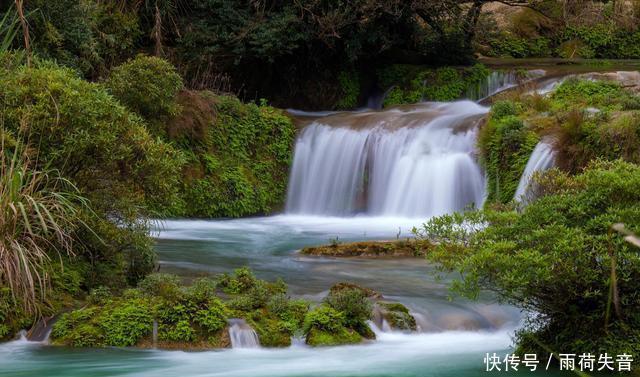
(501, 80)
(416, 161)
(242, 335)
(542, 158)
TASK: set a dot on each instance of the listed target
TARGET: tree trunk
(25, 30)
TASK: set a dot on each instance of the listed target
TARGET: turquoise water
(456, 334)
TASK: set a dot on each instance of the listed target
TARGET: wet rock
(396, 315)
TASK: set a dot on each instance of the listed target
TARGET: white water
(499, 81)
(242, 335)
(542, 158)
(406, 163)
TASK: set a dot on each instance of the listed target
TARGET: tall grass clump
(39, 213)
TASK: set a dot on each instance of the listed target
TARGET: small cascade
(22, 336)
(155, 334)
(542, 158)
(411, 162)
(501, 80)
(242, 335)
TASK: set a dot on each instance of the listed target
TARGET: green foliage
(554, 259)
(40, 213)
(505, 144)
(415, 84)
(126, 323)
(354, 305)
(147, 85)
(238, 161)
(324, 318)
(87, 36)
(105, 151)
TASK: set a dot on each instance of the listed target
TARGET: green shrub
(74, 120)
(354, 305)
(147, 85)
(555, 259)
(127, 323)
(213, 318)
(181, 331)
(161, 285)
(324, 318)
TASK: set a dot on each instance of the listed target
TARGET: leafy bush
(354, 305)
(126, 323)
(324, 318)
(116, 165)
(147, 85)
(554, 259)
(213, 318)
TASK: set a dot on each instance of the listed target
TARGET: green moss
(398, 316)
(413, 84)
(342, 336)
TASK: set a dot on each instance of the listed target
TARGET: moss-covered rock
(397, 316)
(370, 249)
(341, 336)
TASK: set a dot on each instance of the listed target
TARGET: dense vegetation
(134, 147)
(319, 54)
(582, 119)
(558, 259)
(565, 29)
(196, 315)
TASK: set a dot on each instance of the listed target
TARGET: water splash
(242, 335)
(542, 158)
(412, 162)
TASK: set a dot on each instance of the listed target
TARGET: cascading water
(542, 158)
(501, 80)
(411, 162)
(242, 335)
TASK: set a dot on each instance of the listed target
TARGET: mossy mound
(397, 316)
(370, 249)
(342, 336)
(186, 317)
(344, 286)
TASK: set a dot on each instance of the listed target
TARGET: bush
(213, 318)
(354, 305)
(554, 259)
(126, 323)
(147, 85)
(166, 286)
(324, 318)
(116, 165)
